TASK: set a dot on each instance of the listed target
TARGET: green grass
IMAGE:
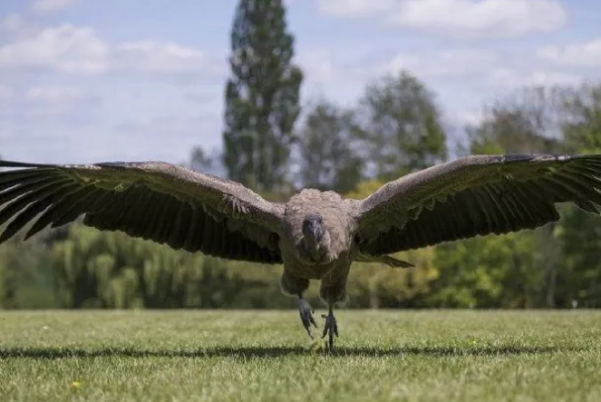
(264, 356)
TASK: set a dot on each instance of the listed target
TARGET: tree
(524, 264)
(111, 269)
(24, 280)
(328, 157)
(582, 125)
(402, 129)
(527, 122)
(380, 286)
(581, 273)
(199, 160)
(262, 96)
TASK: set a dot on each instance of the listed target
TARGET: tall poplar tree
(261, 96)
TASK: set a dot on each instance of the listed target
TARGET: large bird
(315, 235)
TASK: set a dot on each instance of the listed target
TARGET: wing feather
(476, 195)
(151, 200)
(30, 208)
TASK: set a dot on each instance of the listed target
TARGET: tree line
(276, 145)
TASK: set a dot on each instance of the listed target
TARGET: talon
(306, 315)
(330, 328)
(330, 325)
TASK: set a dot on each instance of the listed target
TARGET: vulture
(315, 235)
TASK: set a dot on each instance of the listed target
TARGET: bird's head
(313, 227)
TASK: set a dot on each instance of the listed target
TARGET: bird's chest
(320, 271)
(302, 264)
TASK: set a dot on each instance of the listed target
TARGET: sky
(130, 80)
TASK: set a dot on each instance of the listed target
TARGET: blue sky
(91, 80)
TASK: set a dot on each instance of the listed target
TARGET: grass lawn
(265, 356)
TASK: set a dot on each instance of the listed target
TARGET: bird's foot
(306, 314)
(331, 329)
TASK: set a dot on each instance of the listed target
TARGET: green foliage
(401, 126)
(329, 159)
(517, 269)
(113, 270)
(580, 276)
(486, 272)
(94, 269)
(582, 125)
(23, 281)
(262, 96)
(395, 129)
(525, 123)
(377, 285)
(579, 280)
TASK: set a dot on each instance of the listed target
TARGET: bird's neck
(316, 249)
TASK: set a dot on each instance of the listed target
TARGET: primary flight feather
(315, 234)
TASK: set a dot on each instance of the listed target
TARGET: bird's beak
(315, 231)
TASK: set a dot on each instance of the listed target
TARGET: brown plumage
(316, 235)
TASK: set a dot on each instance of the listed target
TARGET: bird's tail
(383, 259)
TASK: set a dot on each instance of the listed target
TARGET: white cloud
(464, 118)
(48, 106)
(71, 49)
(457, 62)
(49, 6)
(355, 8)
(5, 91)
(585, 54)
(11, 23)
(54, 94)
(318, 65)
(344, 78)
(467, 18)
(506, 78)
(162, 57)
(65, 48)
(482, 18)
(554, 78)
(339, 77)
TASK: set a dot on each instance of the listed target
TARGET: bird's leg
(293, 285)
(306, 314)
(331, 327)
(333, 292)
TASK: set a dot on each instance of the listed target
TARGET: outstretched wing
(475, 195)
(151, 200)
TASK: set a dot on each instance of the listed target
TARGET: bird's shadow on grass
(276, 351)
